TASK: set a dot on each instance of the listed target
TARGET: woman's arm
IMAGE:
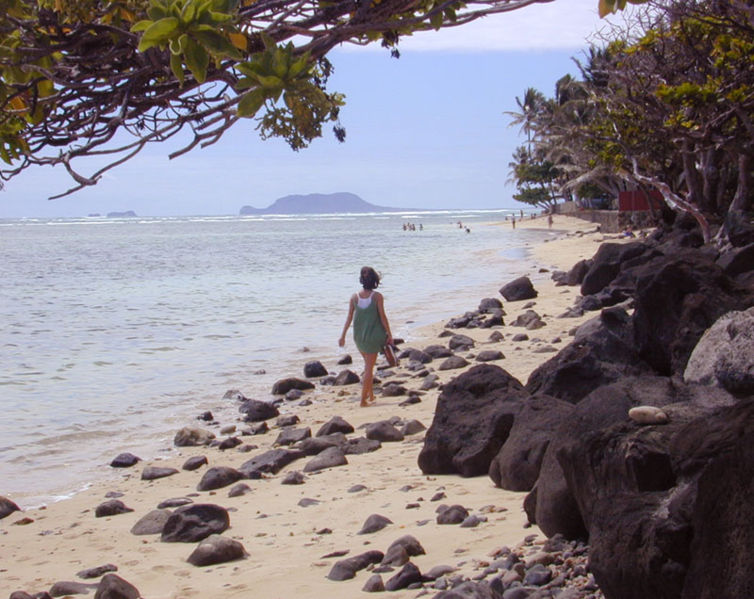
(349, 318)
(383, 317)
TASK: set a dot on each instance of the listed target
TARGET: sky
(427, 130)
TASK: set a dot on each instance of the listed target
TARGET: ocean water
(117, 332)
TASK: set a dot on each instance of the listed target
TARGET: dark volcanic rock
(453, 363)
(293, 478)
(155, 472)
(282, 386)
(291, 436)
(329, 458)
(316, 445)
(255, 410)
(516, 466)
(218, 477)
(361, 445)
(7, 507)
(112, 507)
(346, 569)
(438, 351)
(314, 369)
(270, 462)
(460, 342)
(195, 462)
(192, 437)
(97, 571)
(68, 588)
(124, 460)
(152, 523)
(606, 264)
(374, 523)
(474, 415)
(518, 289)
(383, 431)
(455, 514)
(335, 425)
(216, 549)
(677, 300)
(407, 576)
(346, 377)
(113, 586)
(489, 355)
(193, 523)
(602, 351)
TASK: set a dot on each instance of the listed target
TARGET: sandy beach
(288, 540)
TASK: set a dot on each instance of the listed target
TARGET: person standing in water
(371, 330)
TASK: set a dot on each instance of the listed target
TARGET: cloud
(558, 25)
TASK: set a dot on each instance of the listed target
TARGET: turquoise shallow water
(116, 332)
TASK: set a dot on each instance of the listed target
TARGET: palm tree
(531, 106)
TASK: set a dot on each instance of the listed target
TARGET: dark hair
(369, 278)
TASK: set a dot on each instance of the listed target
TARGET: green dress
(368, 332)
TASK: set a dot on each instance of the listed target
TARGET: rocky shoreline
(603, 462)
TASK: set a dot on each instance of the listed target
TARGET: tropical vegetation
(665, 104)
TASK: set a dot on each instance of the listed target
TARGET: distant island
(127, 214)
(318, 203)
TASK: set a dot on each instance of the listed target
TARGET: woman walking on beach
(371, 330)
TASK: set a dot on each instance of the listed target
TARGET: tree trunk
(742, 200)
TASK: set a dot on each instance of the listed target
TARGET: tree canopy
(667, 104)
(85, 78)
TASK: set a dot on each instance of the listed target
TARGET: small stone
(152, 523)
(307, 502)
(124, 460)
(374, 523)
(239, 490)
(374, 584)
(155, 472)
(293, 478)
(195, 462)
(455, 514)
(174, 502)
(97, 572)
(216, 549)
(111, 508)
(648, 415)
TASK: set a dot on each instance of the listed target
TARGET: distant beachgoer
(371, 330)
(549, 221)
(513, 222)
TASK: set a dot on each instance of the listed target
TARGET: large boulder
(518, 289)
(336, 424)
(560, 506)
(516, 466)
(724, 355)
(473, 417)
(677, 299)
(606, 264)
(601, 352)
(660, 501)
(113, 586)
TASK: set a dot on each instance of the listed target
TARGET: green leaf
(158, 33)
(251, 103)
(270, 81)
(176, 65)
(188, 12)
(141, 26)
(217, 44)
(436, 20)
(197, 60)
(157, 11)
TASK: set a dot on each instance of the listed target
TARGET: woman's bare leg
(367, 387)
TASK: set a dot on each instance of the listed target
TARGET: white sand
(285, 552)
